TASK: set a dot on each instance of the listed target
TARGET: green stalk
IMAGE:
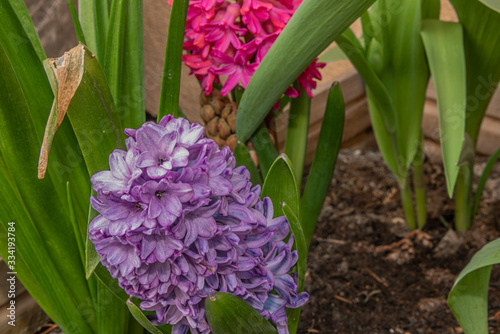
(419, 185)
(463, 199)
(406, 199)
(171, 81)
(266, 152)
(76, 23)
(296, 134)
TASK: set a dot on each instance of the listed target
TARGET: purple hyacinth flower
(178, 221)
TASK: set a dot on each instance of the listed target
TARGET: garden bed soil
(367, 273)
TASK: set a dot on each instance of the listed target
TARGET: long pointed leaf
(76, 23)
(325, 158)
(280, 186)
(170, 85)
(44, 283)
(41, 197)
(300, 243)
(96, 123)
(315, 24)
(468, 298)
(113, 315)
(144, 321)
(405, 73)
(131, 104)
(115, 46)
(229, 314)
(444, 45)
(482, 180)
(380, 95)
(94, 117)
(482, 47)
(25, 19)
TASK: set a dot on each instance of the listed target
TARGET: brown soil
(368, 274)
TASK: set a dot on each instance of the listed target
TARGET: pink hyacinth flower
(237, 69)
(224, 31)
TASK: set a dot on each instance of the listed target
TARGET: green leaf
(87, 18)
(380, 94)
(482, 47)
(44, 199)
(405, 72)
(143, 320)
(110, 283)
(296, 133)
(264, 146)
(316, 24)
(32, 79)
(229, 314)
(171, 81)
(300, 243)
(280, 186)
(115, 48)
(325, 158)
(44, 283)
(444, 46)
(468, 298)
(493, 4)
(76, 23)
(94, 117)
(131, 104)
(482, 180)
(92, 259)
(243, 158)
(96, 124)
(74, 224)
(24, 17)
(112, 315)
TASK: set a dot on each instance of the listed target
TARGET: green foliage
(481, 26)
(229, 314)
(170, 86)
(296, 133)
(393, 66)
(141, 318)
(493, 4)
(264, 147)
(114, 33)
(325, 158)
(444, 46)
(280, 186)
(468, 298)
(482, 180)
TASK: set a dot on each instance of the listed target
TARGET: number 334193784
(11, 240)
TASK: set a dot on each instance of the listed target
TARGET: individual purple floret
(179, 221)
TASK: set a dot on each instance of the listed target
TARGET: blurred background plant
(476, 51)
(391, 60)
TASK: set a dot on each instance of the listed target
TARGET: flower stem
(419, 185)
(463, 199)
(406, 199)
(296, 135)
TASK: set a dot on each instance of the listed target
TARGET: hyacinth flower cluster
(178, 221)
(229, 38)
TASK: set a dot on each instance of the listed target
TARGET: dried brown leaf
(67, 73)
